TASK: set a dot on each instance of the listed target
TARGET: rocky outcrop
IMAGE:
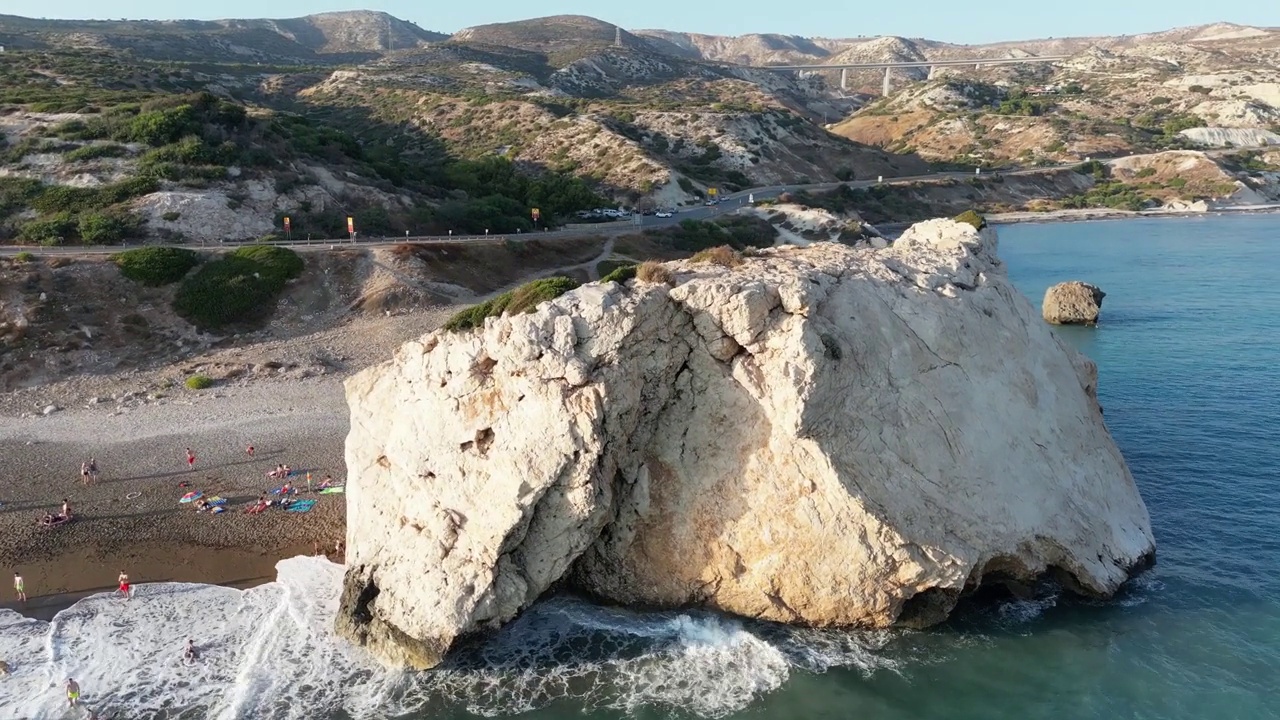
(1072, 303)
(825, 435)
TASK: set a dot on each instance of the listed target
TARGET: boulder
(826, 436)
(1072, 303)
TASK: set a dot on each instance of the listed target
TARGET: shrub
(654, 272)
(156, 266)
(523, 299)
(49, 230)
(171, 216)
(105, 228)
(1146, 172)
(278, 264)
(972, 218)
(722, 255)
(236, 287)
(92, 152)
(60, 198)
(24, 257)
(199, 382)
(620, 275)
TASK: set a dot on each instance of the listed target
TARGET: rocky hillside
(325, 37)
(104, 137)
(1208, 87)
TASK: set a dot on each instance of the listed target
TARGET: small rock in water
(1072, 303)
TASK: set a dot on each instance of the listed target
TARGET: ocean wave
(269, 652)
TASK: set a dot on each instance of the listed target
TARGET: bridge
(888, 67)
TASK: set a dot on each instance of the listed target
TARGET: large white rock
(822, 435)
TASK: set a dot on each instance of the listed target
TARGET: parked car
(665, 214)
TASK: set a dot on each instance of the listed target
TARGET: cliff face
(821, 435)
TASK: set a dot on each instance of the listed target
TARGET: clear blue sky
(959, 21)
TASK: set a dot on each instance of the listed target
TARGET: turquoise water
(1189, 361)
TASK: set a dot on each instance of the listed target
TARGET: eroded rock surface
(822, 435)
(1073, 303)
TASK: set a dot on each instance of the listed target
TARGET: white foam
(269, 652)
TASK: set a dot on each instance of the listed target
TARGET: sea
(1188, 351)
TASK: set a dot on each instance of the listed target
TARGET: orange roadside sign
(351, 224)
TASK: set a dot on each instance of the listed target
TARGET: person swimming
(73, 692)
(190, 654)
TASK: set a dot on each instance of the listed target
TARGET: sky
(974, 21)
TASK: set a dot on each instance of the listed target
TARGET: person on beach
(66, 508)
(124, 585)
(190, 653)
(93, 471)
(308, 481)
(191, 460)
(73, 692)
(84, 473)
(20, 587)
(326, 481)
(249, 450)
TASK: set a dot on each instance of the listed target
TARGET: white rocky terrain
(825, 435)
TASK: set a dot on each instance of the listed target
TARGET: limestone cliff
(822, 435)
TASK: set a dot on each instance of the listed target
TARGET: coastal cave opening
(928, 607)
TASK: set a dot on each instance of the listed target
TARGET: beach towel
(216, 501)
(333, 490)
(191, 496)
(300, 506)
(218, 509)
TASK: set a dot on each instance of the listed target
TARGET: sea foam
(269, 652)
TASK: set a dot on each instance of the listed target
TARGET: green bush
(1146, 172)
(620, 275)
(199, 382)
(92, 152)
(972, 218)
(237, 287)
(65, 198)
(523, 299)
(49, 230)
(277, 264)
(156, 266)
(105, 228)
(24, 257)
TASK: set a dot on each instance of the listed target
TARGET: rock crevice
(823, 435)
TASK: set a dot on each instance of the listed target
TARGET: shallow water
(1189, 359)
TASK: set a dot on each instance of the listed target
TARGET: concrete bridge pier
(844, 78)
(888, 86)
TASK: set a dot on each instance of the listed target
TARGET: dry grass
(654, 272)
(723, 255)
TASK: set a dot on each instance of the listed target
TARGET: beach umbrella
(194, 495)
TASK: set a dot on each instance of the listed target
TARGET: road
(728, 203)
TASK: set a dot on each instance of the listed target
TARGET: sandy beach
(137, 424)
(131, 519)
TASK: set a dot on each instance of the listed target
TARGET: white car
(665, 214)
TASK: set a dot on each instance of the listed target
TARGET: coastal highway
(728, 203)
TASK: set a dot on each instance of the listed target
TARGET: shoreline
(57, 583)
(891, 230)
(1088, 214)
